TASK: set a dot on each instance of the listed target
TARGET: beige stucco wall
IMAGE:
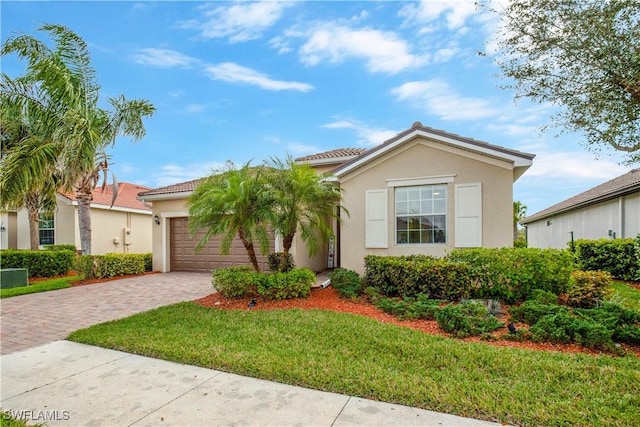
(422, 158)
(165, 209)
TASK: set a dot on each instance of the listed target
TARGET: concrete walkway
(47, 379)
(35, 319)
(71, 384)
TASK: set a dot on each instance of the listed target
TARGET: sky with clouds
(246, 81)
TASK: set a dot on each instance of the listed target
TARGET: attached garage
(183, 256)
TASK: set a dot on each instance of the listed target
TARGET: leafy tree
(232, 203)
(60, 91)
(519, 212)
(302, 201)
(582, 56)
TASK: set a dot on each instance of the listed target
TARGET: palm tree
(61, 90)
(302, 201)
(232, 203)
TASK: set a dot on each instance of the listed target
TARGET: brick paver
(31, 320)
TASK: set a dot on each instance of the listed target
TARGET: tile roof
(127, 194)
(337, 153)
(624, 184)
(182, 187)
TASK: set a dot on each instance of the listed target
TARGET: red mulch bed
(328, 299)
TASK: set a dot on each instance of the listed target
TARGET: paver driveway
(30, 320)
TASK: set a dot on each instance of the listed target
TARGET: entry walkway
(35, 319)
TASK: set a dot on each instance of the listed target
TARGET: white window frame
(421, 184)
(52, 228)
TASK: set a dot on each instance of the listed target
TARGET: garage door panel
(184, 258)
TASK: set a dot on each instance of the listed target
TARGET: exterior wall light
(156, 219)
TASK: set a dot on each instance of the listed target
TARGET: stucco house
(423, 191)
(609, 210)
(123, 228)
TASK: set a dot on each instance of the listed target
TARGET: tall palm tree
(302, 202)
(60, 88)
(232, 203)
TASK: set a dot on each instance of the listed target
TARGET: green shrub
(148, 261)
(622, 322)
(235, 282)
(467, 319)
(60, 248)
(274, 260)
(565, 328)
(39, 263)
(293, 284)
(511, 274)
(346, 282)
(543, 297)
(620, 257)
(587, 288)
(111, 265)
(530, 312)
(420, 307)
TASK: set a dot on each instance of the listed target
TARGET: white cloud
(438, 98)
(574, 165)
(165, 58)
(367, 136)
(234, 73)
(298, 148)
(196, 108)
(171, 174)
(454, 12)
(383, 51)
(239, 21)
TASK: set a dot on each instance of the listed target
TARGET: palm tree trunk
(248, 245)
(287, 242)
(84, 196)
(31, 203)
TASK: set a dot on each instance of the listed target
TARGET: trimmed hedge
(408, 276)
(243, 282)
(511, 274)
(60, 247)
(346, 282)
(620, 257)
(588, 288)
(112, 265)
(39, 263)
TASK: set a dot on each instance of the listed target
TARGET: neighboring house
(123, 228)
(609, 210)
(422, 191)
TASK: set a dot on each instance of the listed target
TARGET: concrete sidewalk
(70, 384)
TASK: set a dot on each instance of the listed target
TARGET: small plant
(467, 319)
(346, 282)
(235, 282)
(293, 284)
(531, 312)
(565, 328)
(420, 307)
(543, 297)
(587, 288)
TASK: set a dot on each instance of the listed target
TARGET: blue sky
(246, 81)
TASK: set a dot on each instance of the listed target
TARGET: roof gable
(624, 184)
(519, 159)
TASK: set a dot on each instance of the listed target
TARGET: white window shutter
(468, 230)
(376, 232)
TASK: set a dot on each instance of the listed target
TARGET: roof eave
(164, 196)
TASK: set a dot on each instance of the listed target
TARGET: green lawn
(41, 286)
(359, 356)
(626, 295)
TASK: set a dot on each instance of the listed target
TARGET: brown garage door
(184, 257)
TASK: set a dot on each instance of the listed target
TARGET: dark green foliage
(531, 312)
(620, 257)
(623, 323)
(467, 319)
(346, 282)
(60, 248)
(511, 274)
(565, 328)
(274, 260)
(587, 288)
(39, 263)
(243, 282)
(543, 297)
(420, 307)
(293, 284)
(111, 265)
(148, 261)
(418, 274)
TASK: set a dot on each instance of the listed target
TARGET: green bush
(530, 312)
(543, 297)
(469, 318)
(511, 274)
(623, 323)
(148, 261)
(346, 282)
(60, 248)
(39, 263)
(274, 260)
(409, 276)
(587, 288)
(111, 265)
(293, 284)
(420, 307)
(235, 282)
(620, 257)
(565, 328)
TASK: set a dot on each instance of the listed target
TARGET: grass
(8, 420)
(358, 356)
(625, 295)
(40, 286)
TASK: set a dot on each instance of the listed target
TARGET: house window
(421, 214)
(46, 229)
